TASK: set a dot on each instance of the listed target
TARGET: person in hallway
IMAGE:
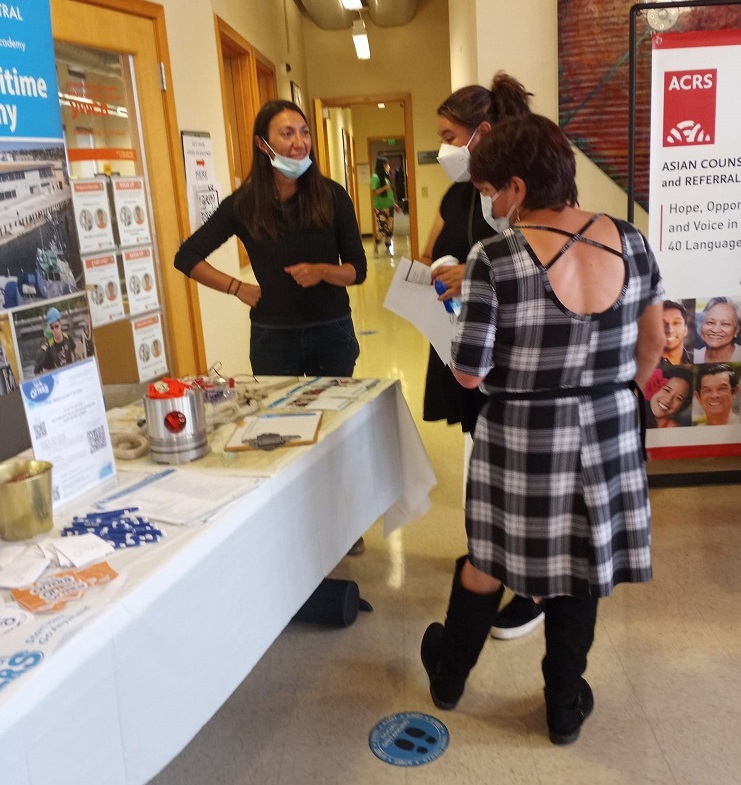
(716, 388)
(303, 240)
(668, 396)
(675, 330)
(58, 350)
(463, 119)
(717, 328)
(384, 204)
(562, 326)
(300, 232)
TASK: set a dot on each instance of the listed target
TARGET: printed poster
(140, 281)
(150, 347)
(92, 215)
(198, 157)
(695, 231)
(39, 251)
(103, 288)
(68, 426)
(130, 204)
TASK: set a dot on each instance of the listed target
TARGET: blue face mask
(292, 168)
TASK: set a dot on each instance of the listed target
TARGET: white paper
(103, 288)
(83, 549)
(68, 426)
(412, 297)
(149, 345)
(180, 498)
(131, 211)
(24, 568)
(92, 213)
(141, 286)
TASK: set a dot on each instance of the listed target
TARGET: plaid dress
(557, 498)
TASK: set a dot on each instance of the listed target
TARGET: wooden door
(137, 28)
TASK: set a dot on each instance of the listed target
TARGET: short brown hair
(535, 149)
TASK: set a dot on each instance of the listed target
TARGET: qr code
(39, 430)
(96, 439)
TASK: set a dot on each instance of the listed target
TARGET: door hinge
(163, 78)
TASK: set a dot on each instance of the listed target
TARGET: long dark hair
(381, 171)
(474, 104)
(255, 199)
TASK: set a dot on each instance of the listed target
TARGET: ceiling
(330, 15)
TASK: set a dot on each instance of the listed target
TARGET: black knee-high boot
(449, 652)
(569, 632)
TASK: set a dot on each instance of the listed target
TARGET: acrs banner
(695, 231)
(695, 190)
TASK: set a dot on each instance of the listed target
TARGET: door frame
(184, 334)
(323, 155)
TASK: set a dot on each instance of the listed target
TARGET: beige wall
(522, 38)
(409, 59)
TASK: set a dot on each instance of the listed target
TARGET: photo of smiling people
(716, 394)
(717, 339)
(669, 397)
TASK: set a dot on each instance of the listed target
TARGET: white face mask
(497, 224)
(456, 161)
(292, 168)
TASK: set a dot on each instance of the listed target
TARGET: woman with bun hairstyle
(463, 120)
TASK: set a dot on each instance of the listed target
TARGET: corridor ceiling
(330, 15)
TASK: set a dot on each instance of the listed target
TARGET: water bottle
(454, 305)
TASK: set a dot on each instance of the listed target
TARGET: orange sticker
(54, 592)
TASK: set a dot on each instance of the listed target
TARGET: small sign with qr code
(68, 427)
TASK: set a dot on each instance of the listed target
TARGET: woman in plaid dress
(561, 325)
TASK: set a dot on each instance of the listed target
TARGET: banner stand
(725, 453)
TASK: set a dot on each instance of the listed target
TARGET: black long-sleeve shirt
(283, 302)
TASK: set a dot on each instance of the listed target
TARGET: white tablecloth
(132, 681)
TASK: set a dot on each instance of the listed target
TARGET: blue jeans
(321, 350)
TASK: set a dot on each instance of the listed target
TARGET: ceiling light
(360, 39)
(352, 5)
(381, 106)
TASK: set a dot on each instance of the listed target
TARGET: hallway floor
(665, 666)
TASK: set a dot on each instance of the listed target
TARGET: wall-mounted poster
(52, 335)
(39, 253)
(130, 204)
(150, 347)
(198, 157)
(103, 288)
(141, 286)
(92, 215)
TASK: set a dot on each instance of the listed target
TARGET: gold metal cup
(25, 499)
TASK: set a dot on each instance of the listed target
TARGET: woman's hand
(305, 275)
(452, 277)
(249, 294)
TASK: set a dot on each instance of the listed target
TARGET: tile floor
(665, 666)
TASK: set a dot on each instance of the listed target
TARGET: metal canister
(177, 427)
(25, 499)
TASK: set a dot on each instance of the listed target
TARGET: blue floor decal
(409, 739)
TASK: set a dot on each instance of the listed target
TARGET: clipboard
(292, 428)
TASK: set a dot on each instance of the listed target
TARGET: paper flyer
(103, 288)
(141, 286)
(68, 427)
(92, 215)
(131, 211)
(150, 347)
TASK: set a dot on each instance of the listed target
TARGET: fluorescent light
(360, 39)
(352, 5)
(381, 106)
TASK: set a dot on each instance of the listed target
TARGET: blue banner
(29, 101)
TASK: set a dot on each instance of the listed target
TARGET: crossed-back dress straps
(573, 238)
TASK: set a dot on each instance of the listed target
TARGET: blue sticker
(409, 739)
(39, 389)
